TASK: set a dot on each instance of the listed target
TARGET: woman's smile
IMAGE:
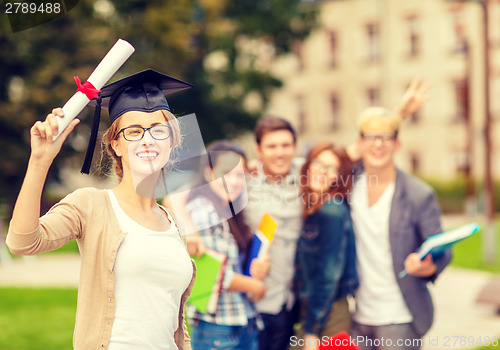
(147, 155)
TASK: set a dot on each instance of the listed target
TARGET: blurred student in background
(273, 189)
(393, 213)
(214, 206)
(326, 255)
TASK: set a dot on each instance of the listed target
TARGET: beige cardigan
(87, 216)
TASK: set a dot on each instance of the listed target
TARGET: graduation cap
(144, 92)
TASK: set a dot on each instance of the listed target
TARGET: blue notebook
(437, 244)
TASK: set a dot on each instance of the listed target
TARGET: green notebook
(209, 273)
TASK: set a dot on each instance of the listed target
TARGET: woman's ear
(114, 146)
(257, 151)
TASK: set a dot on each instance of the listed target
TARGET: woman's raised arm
(43, 151)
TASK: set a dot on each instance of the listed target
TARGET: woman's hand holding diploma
(43, 147)
(43, 151)
(48, 136)
(113, 60)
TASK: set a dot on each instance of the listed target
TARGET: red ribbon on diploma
(87, 88)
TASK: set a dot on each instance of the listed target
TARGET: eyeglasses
(318, 165)
(384, 138)
(136, 133)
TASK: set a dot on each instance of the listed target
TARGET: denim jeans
(277, 329)
(211, 336)
(388, 337)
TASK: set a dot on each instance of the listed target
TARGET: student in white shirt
(393, 213)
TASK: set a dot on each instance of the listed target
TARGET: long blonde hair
(112, 134)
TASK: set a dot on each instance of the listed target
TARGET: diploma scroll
(113, 60)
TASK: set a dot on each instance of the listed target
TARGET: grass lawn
(37, 318)
(469, 252)
(71, 247)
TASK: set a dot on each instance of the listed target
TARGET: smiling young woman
(326, 255)
(113, 132)
(134, 261)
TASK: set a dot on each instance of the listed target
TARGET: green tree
(224, 27)
(37, 70)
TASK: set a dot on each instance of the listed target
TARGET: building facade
(365, 52)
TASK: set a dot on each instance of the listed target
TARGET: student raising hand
(43, 147)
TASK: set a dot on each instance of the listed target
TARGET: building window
(332, 39)
(414, 163)
(461, 162)
(459, 45)
(301, 114)
(461, 88)
(334, 110)
(412, 25)
(373, 42)
(414, 118)
(373, 97)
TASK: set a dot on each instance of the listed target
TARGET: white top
(280, 200)
(152, 270)
(379, 300)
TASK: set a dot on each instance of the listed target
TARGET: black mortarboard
(144, 91)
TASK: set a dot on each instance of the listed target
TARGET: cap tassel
(93, 138)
